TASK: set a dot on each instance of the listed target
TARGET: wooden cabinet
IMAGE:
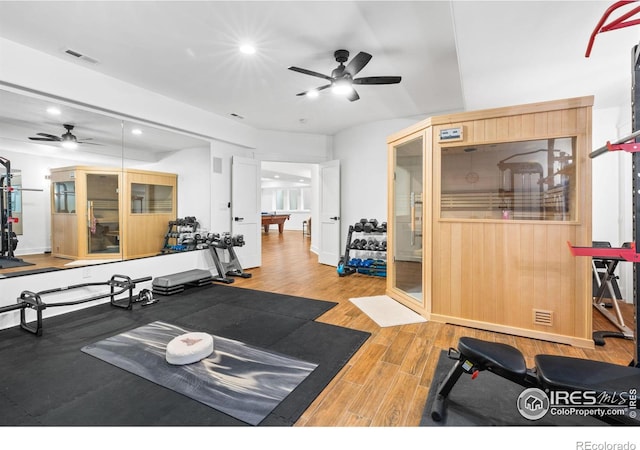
(481, 207)
(105, 213)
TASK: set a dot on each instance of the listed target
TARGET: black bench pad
(496, 357)
(572, 374)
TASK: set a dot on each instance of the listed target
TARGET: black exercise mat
(49, 381)
(6, 263)
(489, 400)
(243, 381)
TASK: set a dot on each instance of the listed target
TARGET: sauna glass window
(64, 197)
(526, 180)
(151, 199)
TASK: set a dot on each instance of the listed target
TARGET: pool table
(277, 219)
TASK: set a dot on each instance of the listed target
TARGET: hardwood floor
(387, 381)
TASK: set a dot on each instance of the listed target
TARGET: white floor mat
(385, 311)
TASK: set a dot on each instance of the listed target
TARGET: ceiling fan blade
(310, 72)
(50, 136)
(353, 96)
(357, 63)
(43, 139)
(84, 142)
(316, 89)
(377, 80)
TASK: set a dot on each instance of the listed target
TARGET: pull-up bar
(620, 22)
(620, 144)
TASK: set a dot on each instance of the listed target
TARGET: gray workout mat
(240, 380)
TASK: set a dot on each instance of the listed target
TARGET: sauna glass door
(407, 216)
(103, 214)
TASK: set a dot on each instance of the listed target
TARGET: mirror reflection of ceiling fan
(67, 140)
(342, 78)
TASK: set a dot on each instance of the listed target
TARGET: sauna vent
(542, 317)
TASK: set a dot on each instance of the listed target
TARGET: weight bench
(175, 283)
(602, 380)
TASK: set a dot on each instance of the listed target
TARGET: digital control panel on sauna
(524, 180)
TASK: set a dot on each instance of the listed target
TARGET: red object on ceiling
(620, 22)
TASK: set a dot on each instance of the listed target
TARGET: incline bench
(176, 282)
(551, 373)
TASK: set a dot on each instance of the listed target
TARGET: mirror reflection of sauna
(527, 180)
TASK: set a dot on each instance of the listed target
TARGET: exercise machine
(604, 268)
(8, 238)
(118, 284)
(628, 144)
(561, 373)
(610, 384)
(218, 244)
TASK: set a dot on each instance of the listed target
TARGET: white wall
(194, 191)
(362, 152)
(612, 188)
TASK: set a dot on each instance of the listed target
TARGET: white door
(329, 213)
(245, 209)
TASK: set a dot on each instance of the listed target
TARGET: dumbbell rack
(177, 232)
(368, 266)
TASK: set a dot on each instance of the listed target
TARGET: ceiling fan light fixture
(342, 87)
(69, 144)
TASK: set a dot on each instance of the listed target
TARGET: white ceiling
(452, 56)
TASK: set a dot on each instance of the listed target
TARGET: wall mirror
(89, 184)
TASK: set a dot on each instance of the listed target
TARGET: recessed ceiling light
(312, 93)
(301, 181)
(136, 131)
(276, 176)
(53, 111)
(247, 49)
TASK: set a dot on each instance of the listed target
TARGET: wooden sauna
(481, 207)
(109, 213)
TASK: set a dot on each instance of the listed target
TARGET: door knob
(334, 218)
(238, 219)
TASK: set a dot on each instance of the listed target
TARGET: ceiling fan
(68, 140)
(343, 78)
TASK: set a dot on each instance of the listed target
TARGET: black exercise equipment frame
(118, 284)
(635, 164)
(232, 268)
(6, 246)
